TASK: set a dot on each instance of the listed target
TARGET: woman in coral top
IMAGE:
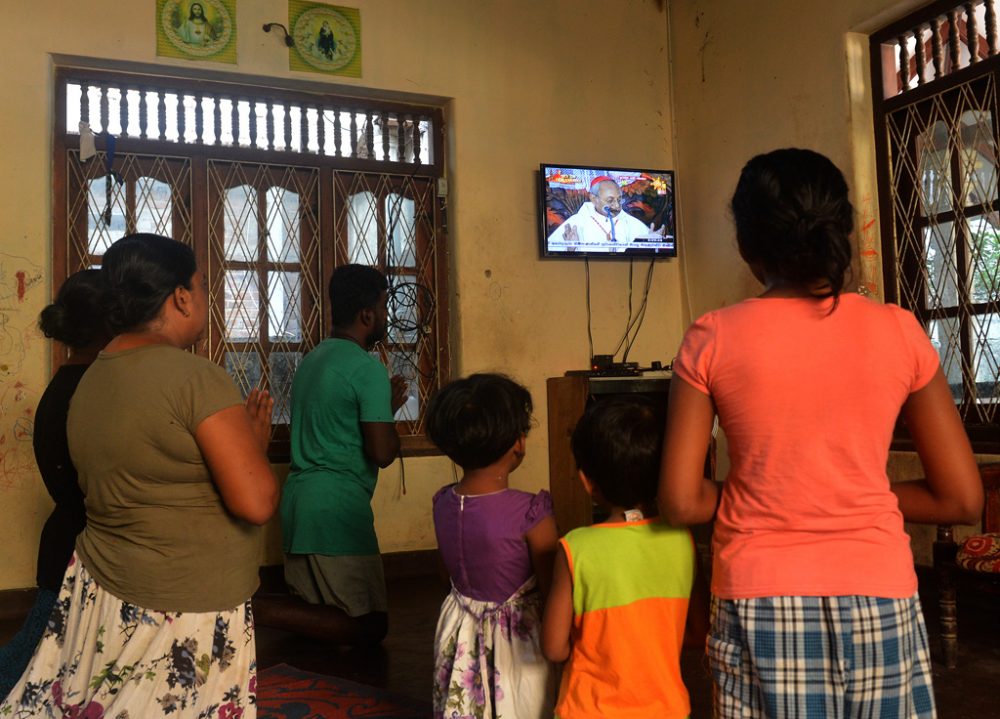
(815, 611)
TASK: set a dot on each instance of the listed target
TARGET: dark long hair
(77, 316)
(793, 217)
(140, 272)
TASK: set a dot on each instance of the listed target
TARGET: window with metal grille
(272, 190)
(936, 127)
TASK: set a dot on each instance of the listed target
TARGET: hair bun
(793, 217)
(52, 321)
(76, 317)
(805, 226)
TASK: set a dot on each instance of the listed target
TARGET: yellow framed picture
(196, 29)
(327, 38)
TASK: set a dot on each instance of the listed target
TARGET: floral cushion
(980, 553)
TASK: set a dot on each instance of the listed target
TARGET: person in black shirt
(75, 319)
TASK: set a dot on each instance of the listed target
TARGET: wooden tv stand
(567, 398)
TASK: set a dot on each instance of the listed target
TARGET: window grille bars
(221, 118)
(937, 42)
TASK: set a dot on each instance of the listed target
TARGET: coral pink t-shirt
(808, 400)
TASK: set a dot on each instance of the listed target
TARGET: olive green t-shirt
(158, 534)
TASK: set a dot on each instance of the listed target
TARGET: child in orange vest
(618, 606)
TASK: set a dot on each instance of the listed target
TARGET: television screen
(607, 212)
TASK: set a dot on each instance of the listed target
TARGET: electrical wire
(590, 331)
(635, 317)
(628, 322)
(406, 300)
(402, 472)
(641, 315)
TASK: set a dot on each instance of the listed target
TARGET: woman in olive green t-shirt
(153, 618)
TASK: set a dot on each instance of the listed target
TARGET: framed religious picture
(327, 38)
(196, 29)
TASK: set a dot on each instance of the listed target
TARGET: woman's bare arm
(951, 491)
(685, 496)
(233, 442)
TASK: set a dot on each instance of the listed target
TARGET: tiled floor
(404, 663)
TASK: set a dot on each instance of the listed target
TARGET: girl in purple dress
(497, 544)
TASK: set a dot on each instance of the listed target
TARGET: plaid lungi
(820, 658)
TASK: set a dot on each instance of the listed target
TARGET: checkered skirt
(820, 658)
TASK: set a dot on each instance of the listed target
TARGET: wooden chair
(978, 558)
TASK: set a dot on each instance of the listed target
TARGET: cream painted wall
(752, 77)
(526, 82)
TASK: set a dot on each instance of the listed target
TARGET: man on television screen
(600, 224)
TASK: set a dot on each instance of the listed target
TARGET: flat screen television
(606, 212)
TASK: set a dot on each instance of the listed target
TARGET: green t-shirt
(326, 502)
(158, 534)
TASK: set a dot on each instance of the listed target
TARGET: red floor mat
(284, 692)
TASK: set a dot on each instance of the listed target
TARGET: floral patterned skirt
(103, 657)
(487, 659)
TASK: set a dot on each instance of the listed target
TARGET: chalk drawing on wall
(871, 266)
(17, 414)
(18, 275)
(19, 281)
(19, 278)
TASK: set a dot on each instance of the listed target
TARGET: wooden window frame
(930, 43)
(335, 158)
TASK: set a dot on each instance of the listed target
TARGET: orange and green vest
(631, 584)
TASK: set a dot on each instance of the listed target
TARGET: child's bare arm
(558, 613)
(542, 540)
(952, 492)
(696, 628)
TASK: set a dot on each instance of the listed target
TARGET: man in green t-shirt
(342, 431)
